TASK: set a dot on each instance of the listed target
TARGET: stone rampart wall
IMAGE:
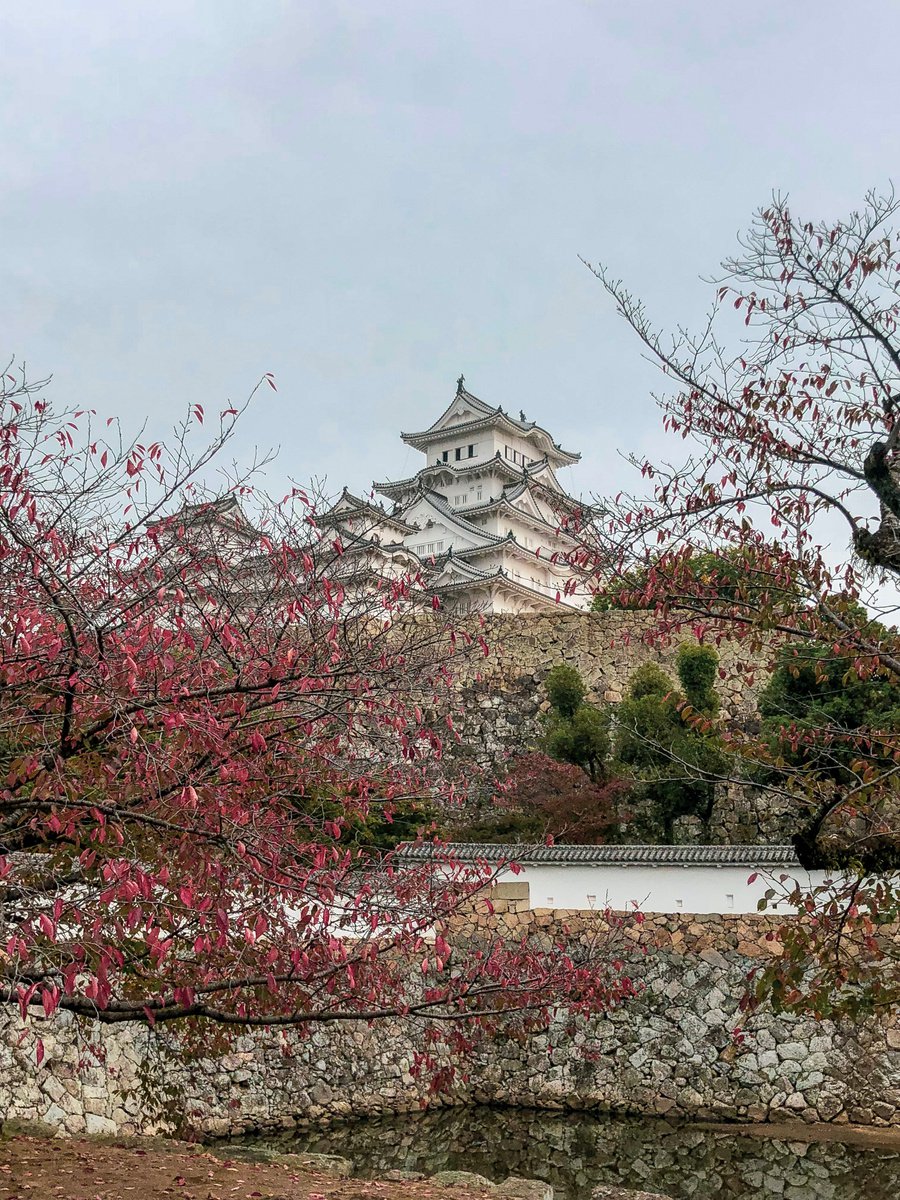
(504, 698)
(671, 1050)
(605, 647)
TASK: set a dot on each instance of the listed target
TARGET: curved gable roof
(505, 504)
(437, 502)
(483, 414)
(348, 505)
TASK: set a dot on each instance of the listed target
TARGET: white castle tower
(485, 515)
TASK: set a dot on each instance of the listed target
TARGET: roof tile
(736, 856)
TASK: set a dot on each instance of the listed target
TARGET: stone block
(517, 1188)
(828, 1107)
(608, 1192)
(793, 1051)
(53, 1087)
(509, 890)
(97, 1126)
(463, 1179)
(860, 1116)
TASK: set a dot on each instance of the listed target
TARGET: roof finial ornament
(460, 384)
(521, 414)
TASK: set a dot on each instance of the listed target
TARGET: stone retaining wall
(671, 1051)
(503, 696)
(606, 648)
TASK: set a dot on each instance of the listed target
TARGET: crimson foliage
(543, 799)
(196, 710)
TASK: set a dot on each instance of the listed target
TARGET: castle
(486, 520)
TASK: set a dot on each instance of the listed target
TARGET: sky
(368, 197)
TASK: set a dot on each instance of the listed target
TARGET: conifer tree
(668, 740)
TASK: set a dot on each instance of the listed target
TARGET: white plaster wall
(450, 441)
(523, 445)
(663, 889)
(525, 532)
(487, 442)
(367, 526)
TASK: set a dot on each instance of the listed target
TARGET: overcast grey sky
(367, 197)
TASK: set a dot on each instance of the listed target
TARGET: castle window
(472, 451)
(431, 547)
(445, 457)
(458, 453)
(478, 493)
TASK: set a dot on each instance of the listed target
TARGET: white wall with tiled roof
(654, 879)
(692, 888)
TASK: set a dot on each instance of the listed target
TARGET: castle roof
(348, 505)
(395, 489)
(485, 417)
(505, 504)
(219, 508)
(499, 578)
(510, 543)
(222, 516)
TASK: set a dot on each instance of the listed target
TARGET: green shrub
(665, 739)
(575, 732)
(565, 690)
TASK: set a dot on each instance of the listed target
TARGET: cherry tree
(781, 523)
(200, 692)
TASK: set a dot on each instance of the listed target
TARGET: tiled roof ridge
(715, 855)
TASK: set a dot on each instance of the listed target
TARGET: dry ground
(77, 1169)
